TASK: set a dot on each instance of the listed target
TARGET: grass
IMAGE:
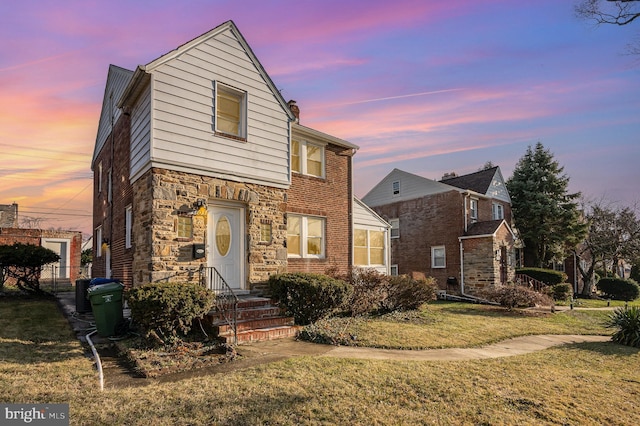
(586, 384)
(450, 324)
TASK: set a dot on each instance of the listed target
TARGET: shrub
(405, 293)
(370, 289)
(511, 296)
(547, 276)
(166, 310)
(619, 289)
(24, 263)
(635, 271)
(627, 323)
(561, 291)
(309, 297)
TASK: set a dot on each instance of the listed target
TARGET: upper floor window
(395, 228)
(438, 257)
(498, 211)
(473, 210)
(395, 187)
(307, 158)
(231, 111)
(305, 236)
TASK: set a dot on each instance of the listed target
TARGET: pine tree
(546, 216)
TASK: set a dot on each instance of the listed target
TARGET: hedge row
(547, 276)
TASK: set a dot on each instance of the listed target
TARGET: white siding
(498, 189)
(182, 111)
(411, 187)
(140, 154)
(117, 80)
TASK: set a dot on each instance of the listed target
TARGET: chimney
(294, 109)
(449, 175)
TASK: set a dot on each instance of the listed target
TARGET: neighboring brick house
(200, 161)
(67, 244)
(435, 224)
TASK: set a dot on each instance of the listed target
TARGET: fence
(52, 277)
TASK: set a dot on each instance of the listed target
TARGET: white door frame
(236, 214)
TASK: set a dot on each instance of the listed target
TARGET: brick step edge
(247, 314)
(256, 324)
(262, 334)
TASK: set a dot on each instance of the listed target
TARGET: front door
(226, 244)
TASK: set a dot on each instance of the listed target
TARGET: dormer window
(231, 111)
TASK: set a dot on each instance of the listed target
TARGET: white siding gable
(408, 187)
(498, 190)
(117, 80)
(181, 111)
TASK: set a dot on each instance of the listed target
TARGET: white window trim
(242, 131)
(302, 144)
(473, 213)
(393, 270)
(304, 234)
(128, 224)
(100, 178)
(368, 247)
(394, 192)
(497, 211)
(396, 228)
(433, 257)
(99, 241)
(110, 186)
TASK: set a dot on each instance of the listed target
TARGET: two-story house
(199, 161)
(456, 230)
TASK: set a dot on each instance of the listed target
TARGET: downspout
(464, 212)
(461, 267)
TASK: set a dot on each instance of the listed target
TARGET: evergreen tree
(546, 216)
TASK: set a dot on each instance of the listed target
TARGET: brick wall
(330, 198)
(434, 220)
(114, 156)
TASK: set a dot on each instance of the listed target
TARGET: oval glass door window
(223, 236)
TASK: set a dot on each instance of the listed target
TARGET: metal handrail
(226, 299)
(527, 281)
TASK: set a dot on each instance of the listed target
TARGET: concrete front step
(261, 334)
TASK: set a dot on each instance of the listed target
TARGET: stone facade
(8, 215)
(161, 196)
(489, 260)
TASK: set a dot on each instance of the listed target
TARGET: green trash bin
(106, 304)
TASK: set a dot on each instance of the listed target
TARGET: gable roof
(411, 187)
(486, 229)
(478, 181)
(131, 90)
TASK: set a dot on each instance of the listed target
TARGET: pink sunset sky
(424, 86)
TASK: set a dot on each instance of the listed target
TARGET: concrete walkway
(517, 346)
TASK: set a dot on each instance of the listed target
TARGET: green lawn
(583, 384)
